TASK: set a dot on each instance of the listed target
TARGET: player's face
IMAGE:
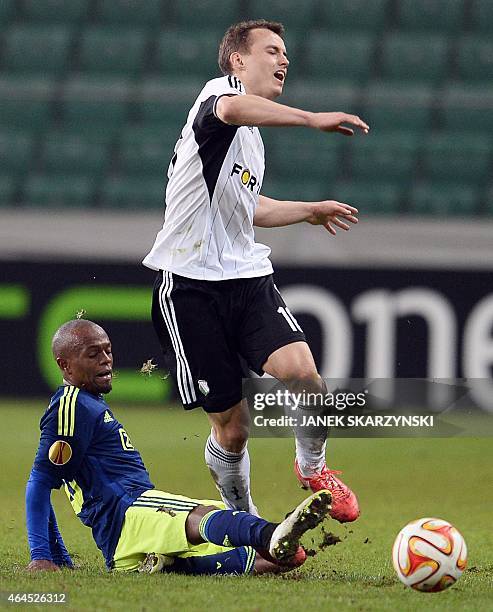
(90, 366)
(265, 65)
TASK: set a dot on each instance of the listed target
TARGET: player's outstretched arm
(258, 111)
(329, 213)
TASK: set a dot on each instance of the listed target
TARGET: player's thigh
(292, 361)
(267, 324)
(197, 352)
(155, 523)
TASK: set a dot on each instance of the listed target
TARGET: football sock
(236, 528)
(236, 561)
(231, 473)
(311, 442)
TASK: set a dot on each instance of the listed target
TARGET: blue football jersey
(86, 449)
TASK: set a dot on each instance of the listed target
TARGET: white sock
(231, 473)
(310, 454)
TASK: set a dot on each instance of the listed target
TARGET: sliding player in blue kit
(137, 527)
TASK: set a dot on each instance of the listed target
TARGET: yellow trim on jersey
(66, 411)
(76, 498)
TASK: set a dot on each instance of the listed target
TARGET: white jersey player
(214, 298)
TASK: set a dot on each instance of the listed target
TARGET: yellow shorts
(155, 523)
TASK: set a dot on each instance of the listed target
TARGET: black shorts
(206, 328)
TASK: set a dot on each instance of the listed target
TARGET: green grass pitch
(397, 480)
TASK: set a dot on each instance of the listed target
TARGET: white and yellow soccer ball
(429, 555)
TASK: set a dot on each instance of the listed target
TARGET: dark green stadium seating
(112, 51)
(131, 13)
(415, 57)
(392, 156)
(460, 156)
(16, 151)
(468, 108)
(147, 151)
(56, 11)
(75, 154)
(25, 104)
(443, 199)
(7, 11)
(393, 107)
(295, 189)
(488, 208)
(320, 96)
(475, 59)
(7, 190)
(178, 53)
(166, 102)
(92, 105)
(371, 197)
(432, 15)
(354, 15)
(59, 190)
(137, 193)
(206, 13)
(305, 154)
(39, 50)
(292, 13)
(482, 15)
(339, 56)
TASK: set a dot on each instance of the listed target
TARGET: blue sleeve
(45, 541)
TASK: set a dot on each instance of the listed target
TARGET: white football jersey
(214, 182)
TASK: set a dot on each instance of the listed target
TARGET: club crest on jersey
(246, 177)
(60, 452)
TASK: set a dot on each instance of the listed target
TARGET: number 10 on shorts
(287, 314)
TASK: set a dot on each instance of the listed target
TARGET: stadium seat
(72, 154)
(178, 53)
(25, 104)
(414, 57)
(390, 156)
(459, 156)
(304, 155)
(294, 189)
(59, 190)
(112, 51)
(321, 96)
(137, 193)
(7, 11)
(488, 207)
(482, 15)
(130, 13)
(443, 199)
(339, 56)
(56, 11)
(356, 15)
(40, 50)
(166, 102)
(147, 151)
(90, 105)
(372, 197)
(434, 15)
(392, 107)
(468, 108)
(206, 13)
(292, 13)
(7, 190)
(16, 151)
(475, 59)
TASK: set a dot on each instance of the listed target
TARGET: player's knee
(193, 521)
(232, 437)
(303, 378)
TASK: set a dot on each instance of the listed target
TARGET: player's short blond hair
(236, 38)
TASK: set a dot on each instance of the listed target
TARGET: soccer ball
(429, 555)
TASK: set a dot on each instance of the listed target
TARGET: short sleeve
(206, 118)
(66, 433)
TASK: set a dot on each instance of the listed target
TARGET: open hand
(329, 213)
(332, 122)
